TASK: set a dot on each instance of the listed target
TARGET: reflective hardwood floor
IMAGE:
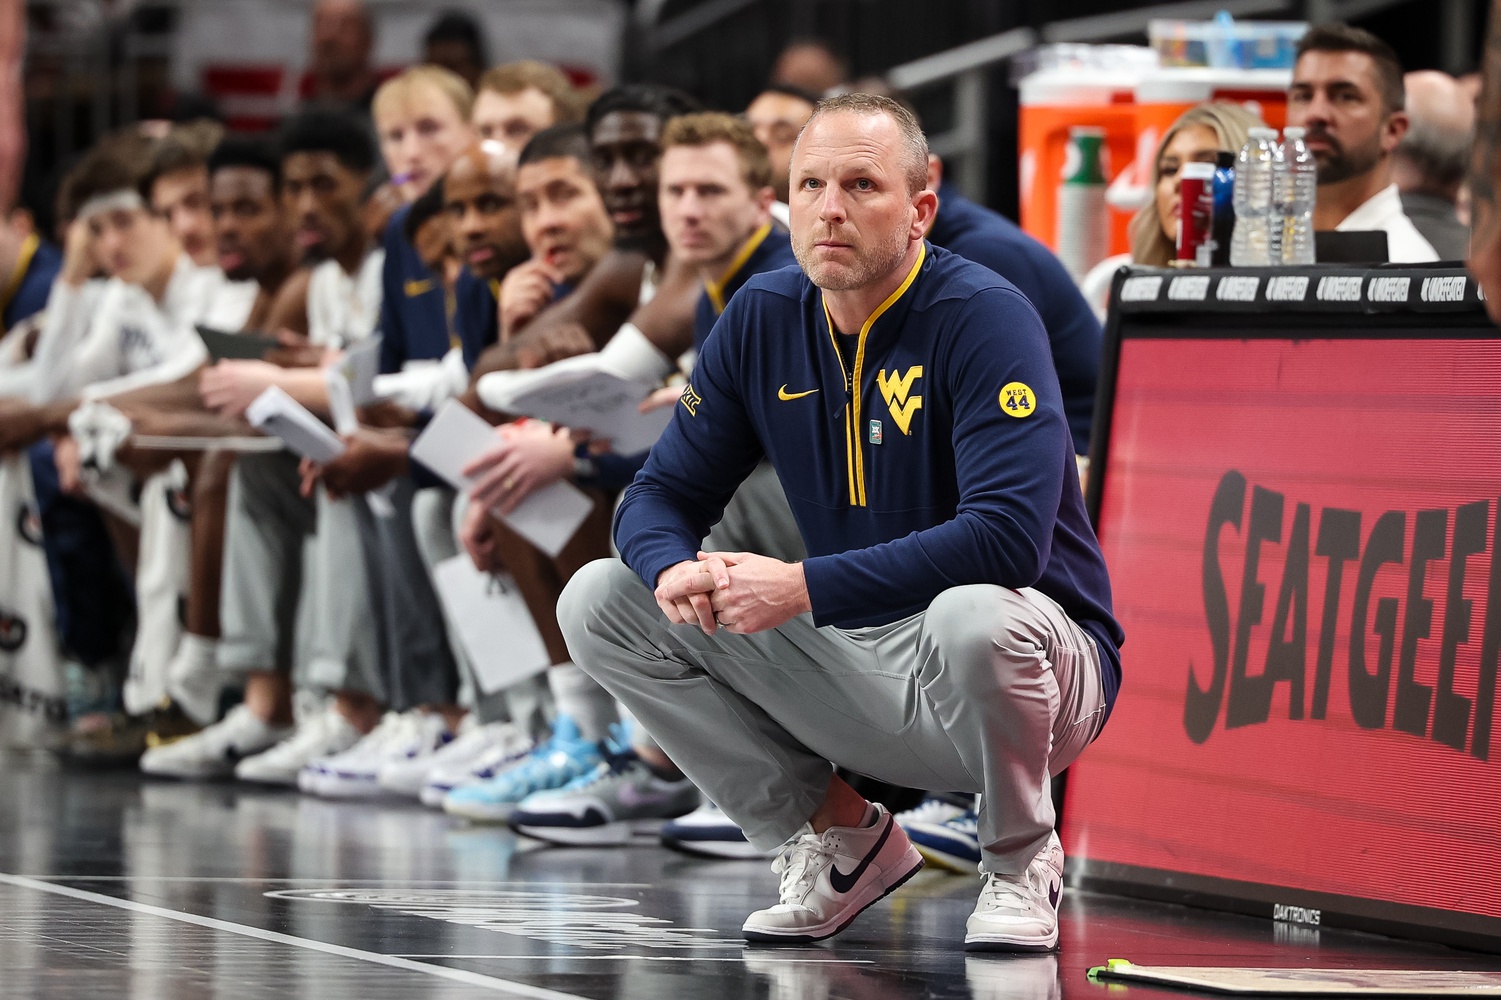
(115, 887)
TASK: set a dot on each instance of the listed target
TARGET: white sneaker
(1020, 912)
(933, 810)
(323, 734)
(213, 752)
(829, 878)
(481, 753)
(355, 773)
(708, 831)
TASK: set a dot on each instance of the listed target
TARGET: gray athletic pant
(990, 690)
(296, 594)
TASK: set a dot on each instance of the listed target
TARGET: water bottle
(1277, 214)
(1301, 179)
(1250, 246)
(1083, 216)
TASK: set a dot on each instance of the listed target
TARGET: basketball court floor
(116, 887)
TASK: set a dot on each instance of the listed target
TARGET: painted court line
(228, 927)
(642, 958)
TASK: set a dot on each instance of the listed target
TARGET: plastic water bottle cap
(1198, 171)
(1294, 132)
(1263, 133)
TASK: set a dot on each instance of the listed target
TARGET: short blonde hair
(709, 127)
(547, 79)
(400, 89)
(1231, 125)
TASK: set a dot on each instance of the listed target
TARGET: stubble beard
(870, 265)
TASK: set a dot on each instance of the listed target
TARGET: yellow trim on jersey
(715, 289)
(855, 454)
(23, 264)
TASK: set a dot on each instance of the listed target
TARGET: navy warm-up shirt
(476, 320)
(768, 249)
(35, 272)
(952, 464)
(989, 238)
(413, 315)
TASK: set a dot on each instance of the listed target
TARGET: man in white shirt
(1347, 92)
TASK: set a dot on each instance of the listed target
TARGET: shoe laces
(1010, 892)
(799, 864)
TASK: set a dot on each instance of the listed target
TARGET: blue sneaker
(620, 801)
(953, 843)
(554, 763)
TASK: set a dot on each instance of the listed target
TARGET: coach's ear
(924, 211)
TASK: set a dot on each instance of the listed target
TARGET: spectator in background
(517, 100)
(341, 74)
(1485, 239)
(1429, 164)
(178, 187)
(1197, 136)
(1347, 92)
(777, 115)
(457, 43)
(810, 64)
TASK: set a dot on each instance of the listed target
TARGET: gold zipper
(854, 450)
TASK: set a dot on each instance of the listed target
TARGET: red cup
(1196, 212)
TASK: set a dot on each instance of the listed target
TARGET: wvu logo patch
(691, 400)
(418, 286)
(1017, 400)
(896, 390)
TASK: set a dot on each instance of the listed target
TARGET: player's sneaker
(933, 810)
(1020, 912)
(491, 749)
(213, 752)
(322, 734)
(953, 844)
(829, 878)
(407, 776)
(554, 763)
(355, 773)
(709, 832)
(619, 801)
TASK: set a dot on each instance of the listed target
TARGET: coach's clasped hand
(738, 591)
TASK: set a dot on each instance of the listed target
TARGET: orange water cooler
(1133, 107)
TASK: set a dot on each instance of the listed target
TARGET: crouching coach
(951, 627)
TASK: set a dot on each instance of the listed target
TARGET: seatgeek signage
(1304, 539)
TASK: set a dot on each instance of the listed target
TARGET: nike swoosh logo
(843, 883)
(786, 396)
(1054, 893)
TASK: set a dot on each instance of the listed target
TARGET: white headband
(123, 200)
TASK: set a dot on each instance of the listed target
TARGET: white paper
(495, 627)
(278, 414)
(582, 393)
(351, 383)
(455, 437)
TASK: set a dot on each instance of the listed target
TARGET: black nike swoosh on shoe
(1054, 893)
(842, 883)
